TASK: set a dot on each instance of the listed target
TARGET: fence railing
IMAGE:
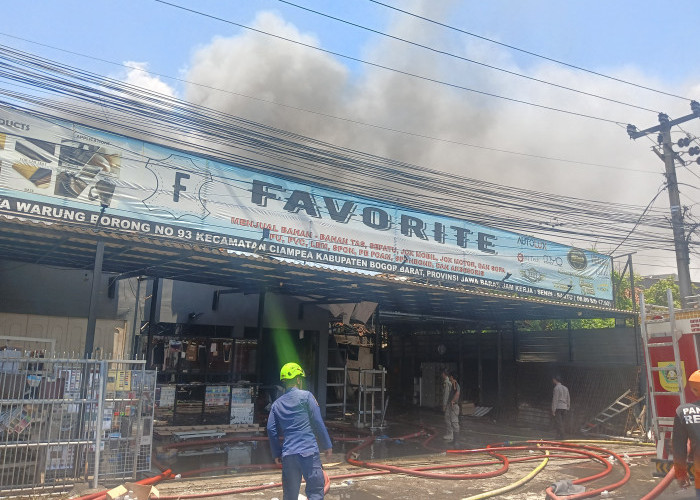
(68, 421)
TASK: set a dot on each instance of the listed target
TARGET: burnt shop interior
(207, 374)
(369, 344)
(204, 345)
(211, 371)
(199, 376)
(374, 362)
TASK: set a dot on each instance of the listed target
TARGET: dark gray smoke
(276, 71)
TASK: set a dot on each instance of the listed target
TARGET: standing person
(451, 408)
(686, 425)
(297, 416)
(560, 405)
(445, 388)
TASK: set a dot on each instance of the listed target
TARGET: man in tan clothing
(451, 407)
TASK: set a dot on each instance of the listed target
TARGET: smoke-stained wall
(49, 302)
(182, 302)
(35, 289)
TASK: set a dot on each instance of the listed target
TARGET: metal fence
(68, 421)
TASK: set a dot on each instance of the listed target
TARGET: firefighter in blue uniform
(686, 426)
(297, 416)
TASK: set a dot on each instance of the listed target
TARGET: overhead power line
(661, 190)
(122, 108)
(534, 54)
(395, 70)
(669, 157)
(466, 59)
(335, 117)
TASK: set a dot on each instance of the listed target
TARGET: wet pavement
(231, 466)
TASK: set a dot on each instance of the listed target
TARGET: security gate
(67, 421)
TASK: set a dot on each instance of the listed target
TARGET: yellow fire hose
(512, 486)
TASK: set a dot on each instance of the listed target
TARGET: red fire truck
(670, 339)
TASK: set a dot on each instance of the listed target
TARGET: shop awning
(130, 255)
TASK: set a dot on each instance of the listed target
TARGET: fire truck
(670, 339)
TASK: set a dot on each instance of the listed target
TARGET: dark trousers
(296, 466)
(560, 422)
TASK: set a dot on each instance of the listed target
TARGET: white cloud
(137, 74)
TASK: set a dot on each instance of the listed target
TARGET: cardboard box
(142, 491)
(117, 492)
(136, 491)
(466, 408)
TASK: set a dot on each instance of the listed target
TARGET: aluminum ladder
(621, 404)
(342, 387)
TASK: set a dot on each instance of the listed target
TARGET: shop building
(217, 274)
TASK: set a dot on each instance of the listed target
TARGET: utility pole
(669, 158)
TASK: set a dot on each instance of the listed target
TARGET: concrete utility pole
(669, 157)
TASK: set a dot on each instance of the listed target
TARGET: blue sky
(647, 42)
(163, 36)
(598, 34)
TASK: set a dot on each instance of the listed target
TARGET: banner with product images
(54, 170)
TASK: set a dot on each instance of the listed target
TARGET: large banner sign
(58, 171)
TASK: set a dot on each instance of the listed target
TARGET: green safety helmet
(290, 371)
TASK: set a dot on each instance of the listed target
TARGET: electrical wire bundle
(48, 89)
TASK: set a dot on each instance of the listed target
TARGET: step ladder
(621, 404)
(336, 380)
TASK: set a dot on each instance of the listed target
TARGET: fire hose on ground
(592, 452)
(576, 449)
(102, 495)
(579, 449)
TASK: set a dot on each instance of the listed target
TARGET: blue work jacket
(296, 416)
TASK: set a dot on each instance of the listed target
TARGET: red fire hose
(663, 484)
(569, 450)
(102, 495)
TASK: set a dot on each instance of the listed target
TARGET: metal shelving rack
(343, 385)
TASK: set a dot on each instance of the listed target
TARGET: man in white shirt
(560, 405)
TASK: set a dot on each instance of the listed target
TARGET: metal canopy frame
(127, 255)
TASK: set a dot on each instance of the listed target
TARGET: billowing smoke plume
(479, 134)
